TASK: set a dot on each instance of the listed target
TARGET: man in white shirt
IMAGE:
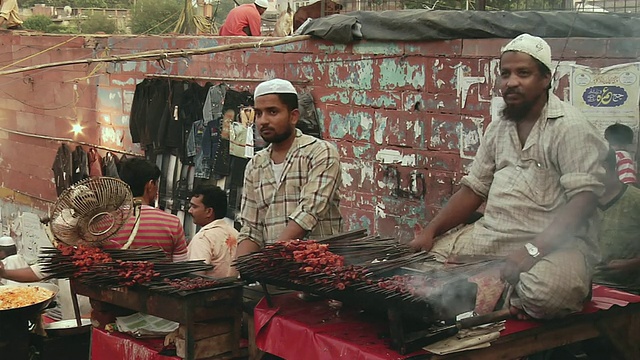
(217, 240)
(10, 257)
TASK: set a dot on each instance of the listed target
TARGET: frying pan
(67, 327)
(29, 310)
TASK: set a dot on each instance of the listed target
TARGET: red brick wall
(376, 101)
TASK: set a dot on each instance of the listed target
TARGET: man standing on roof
(9, 17)
(245, 20)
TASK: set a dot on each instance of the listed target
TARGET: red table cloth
(110, 346)
(295, 329)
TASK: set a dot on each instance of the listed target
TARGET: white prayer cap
(7, 241)
(262, 3)
(274, 86)
(531, 45)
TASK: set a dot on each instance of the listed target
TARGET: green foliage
(38, 23)
(155, 16)
(96, 23)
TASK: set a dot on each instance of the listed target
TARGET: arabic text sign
(609, 95)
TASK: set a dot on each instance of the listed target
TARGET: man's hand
(2, 270)
(423, 239)
(517, 262)
(620, 266)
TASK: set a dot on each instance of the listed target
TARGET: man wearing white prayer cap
(245, 20)
(291, 188)
(539, 172)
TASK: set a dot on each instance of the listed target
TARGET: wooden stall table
(294, 329)
(223, 302)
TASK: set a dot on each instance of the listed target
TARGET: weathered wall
(406, 117)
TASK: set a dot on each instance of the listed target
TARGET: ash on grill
(370, 272)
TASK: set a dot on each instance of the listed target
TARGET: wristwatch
(532, 250)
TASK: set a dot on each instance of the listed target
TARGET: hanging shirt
(245, 15)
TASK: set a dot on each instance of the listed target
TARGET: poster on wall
(607, 95)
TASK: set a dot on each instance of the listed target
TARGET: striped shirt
(307, 192)
(626, 167)
(158, 229)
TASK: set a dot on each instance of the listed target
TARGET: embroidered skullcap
(7, 241)
(262, 3)
(531, 45)
(274, 86)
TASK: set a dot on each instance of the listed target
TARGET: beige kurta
(525, 188)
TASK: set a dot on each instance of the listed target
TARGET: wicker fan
(91, 211)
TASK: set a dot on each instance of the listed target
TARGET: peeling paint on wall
(470, 138)
(396, 73)
(351, 74)
(380, 210)
(377, 48)
(463, 83)
(380, 129)
(391, 156)
(111, 136)
(356, 124)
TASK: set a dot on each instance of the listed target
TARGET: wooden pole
(163, 54)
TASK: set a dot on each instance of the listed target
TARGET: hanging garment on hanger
(190, 111)
(173, 131)
(80, 164)
(158, 114)
(210, 141)
(308, 122)
(63, 168)
(194, 148)
(212, 109)
(110, 165)
(138, 114)
(95, 163)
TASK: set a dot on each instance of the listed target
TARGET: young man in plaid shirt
(291, 188)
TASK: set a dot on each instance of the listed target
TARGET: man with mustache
(539, 173)
(291, 188)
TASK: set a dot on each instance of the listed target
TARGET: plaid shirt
(527, 187)
(307, 192)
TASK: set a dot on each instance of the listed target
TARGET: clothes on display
(63, 168)
(209, 128)
(80, 164)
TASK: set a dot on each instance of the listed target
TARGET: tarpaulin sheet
(295, 329)
(110, 346)
(425, 25)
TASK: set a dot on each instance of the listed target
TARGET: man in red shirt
(245, 20)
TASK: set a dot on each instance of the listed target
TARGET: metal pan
(29, 310)
(67, 327)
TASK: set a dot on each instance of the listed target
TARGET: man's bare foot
(519, 313)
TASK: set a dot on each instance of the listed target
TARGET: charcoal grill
(415, 319)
